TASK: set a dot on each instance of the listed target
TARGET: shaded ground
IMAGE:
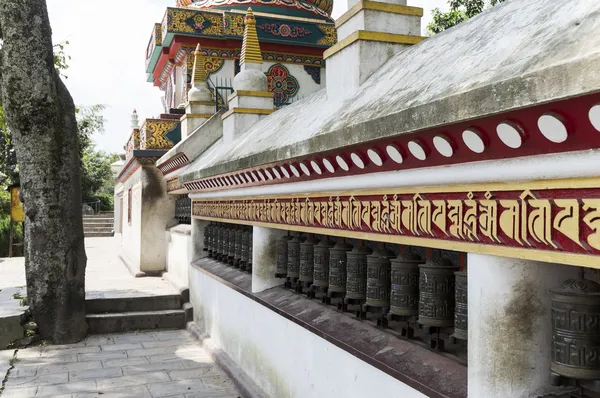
(146, 364)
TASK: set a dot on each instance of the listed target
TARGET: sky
(107, 40)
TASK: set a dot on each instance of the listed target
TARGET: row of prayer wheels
(229, 243)
(395, 287)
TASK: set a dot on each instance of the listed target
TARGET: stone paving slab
(177, 367)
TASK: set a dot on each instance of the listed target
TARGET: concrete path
(149, 364)
(106, 276)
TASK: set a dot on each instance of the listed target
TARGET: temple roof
(321, 8)
(516, 55)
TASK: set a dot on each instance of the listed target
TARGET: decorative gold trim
(248, 111)
(278, 16)
(208, 103)
(251, 93)
(198, 73)
(371, 36)
(196, 116)
(378, 6)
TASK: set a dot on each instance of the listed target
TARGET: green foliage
(61, 58)
(106, 200)
(460, 10)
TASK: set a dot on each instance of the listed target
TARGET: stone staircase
(99, 225)
(121, 314)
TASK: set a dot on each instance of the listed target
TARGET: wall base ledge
(433, 374)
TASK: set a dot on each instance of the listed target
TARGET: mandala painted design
(313, 6)
(283, 85)
(233, 24)
(284, 30)
(189, 21)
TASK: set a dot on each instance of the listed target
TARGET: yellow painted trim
(196, 116)
(251, 93)
(371, 36)
(378, 6)
(248, 111)
(278, 16)
(209, 103)
(584, 260)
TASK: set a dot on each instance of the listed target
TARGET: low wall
(281, 357)
(179, 252)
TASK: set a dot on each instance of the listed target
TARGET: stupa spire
(250, 47)
(199, 73)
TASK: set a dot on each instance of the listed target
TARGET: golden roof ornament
(199, 73)
(250, 48)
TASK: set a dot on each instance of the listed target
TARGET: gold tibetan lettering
(366, 215)
(422, 209)
(567, 220)
(385, 214)
(539, 220)
(455, 215)
(439, 215)
(408, 215)
(376, 215)
(470, 219)
(395, 215)
(488, 217)
(592, 219)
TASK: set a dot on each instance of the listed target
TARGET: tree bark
(40, 114)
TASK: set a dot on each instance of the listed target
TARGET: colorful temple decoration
(283, 85)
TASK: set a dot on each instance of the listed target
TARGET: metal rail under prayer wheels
(282, 256)
(356, 276)
(404, 296)
(461, 310)
(436, 297)
(238, 247)
(293, 267)
(337, 271)
(378, 284)
(321, 267)
(307, 263)
(575, 331)
(231, 245)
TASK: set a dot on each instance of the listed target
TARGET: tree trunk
(40, 114)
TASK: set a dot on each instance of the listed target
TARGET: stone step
(133, 304)
(106, 216)
(97, 234)
(130, 321)
(94, 221)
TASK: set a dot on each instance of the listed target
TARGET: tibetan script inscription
(556, 220)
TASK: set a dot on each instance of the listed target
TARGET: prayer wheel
(436, 293)
(246, 236)
(282, 256)
(231, 244)
(208, 230)
(576, 329)
(238, 246)
(321, 257)
(226, 236)
(461, 311)
(249, 264)
(378, 278)
(356, 273)
(337, 267)
(293, 268)
(404, 297)
(220, 233)
(307, 259)
(206, 238)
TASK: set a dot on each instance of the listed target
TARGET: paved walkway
(146, 364)
(105, 276)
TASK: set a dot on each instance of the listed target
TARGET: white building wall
(179, 252)
(281, 357)
(131, 233)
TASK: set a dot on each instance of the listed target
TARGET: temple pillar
(264, 258)
(509, 324)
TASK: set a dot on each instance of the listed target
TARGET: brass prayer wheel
(404, 297)
(576, 329)
(378, 278)
(238, 245)
(249, 265)
(231, 242)
(220, 233)
(436, 293)
(321, 259)
(206, 238)
(356, 273)
(208, 232)
(293, 268)
(226, 236)
(337, 267)
(307, 259)
(246, 235)
(282, 256)
(461, 311)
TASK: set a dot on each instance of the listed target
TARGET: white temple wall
(132, 228)
(179, 252)
(279, 355)
(510, 332)
(118, 208)
(158, 210)
(305, 81)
